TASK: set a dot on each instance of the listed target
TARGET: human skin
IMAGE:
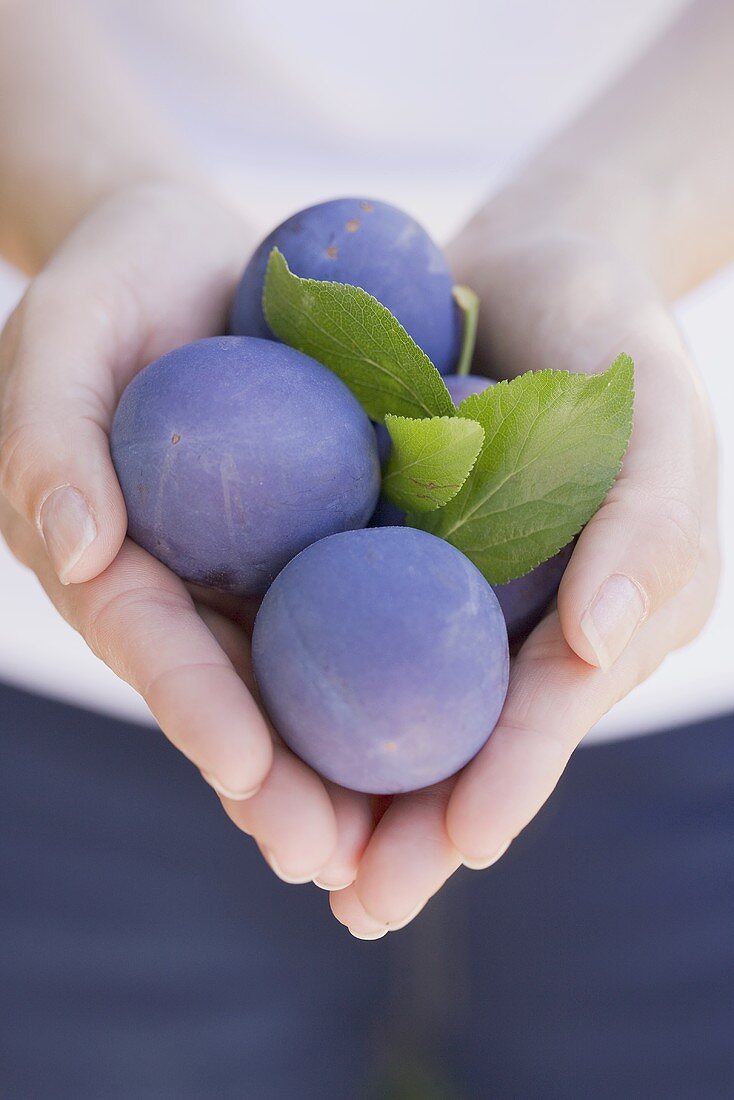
(574, 261)
(134, 257)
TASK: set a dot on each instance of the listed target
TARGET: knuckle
(700, 595)
(673, 522)
(680, 527)
(541, 674)
(123, 620)
(18, 449)
(19, 536)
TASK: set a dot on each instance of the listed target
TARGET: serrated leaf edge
(460, 485)
(622, 365)
(277, 256)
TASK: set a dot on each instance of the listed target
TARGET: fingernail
(395, 926)
(612, 618)
(68, 528)
(227, 792)
(482, 864)
(332, 887)
(369, 935)
(292, 880)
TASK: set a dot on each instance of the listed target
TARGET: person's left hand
(148, 269)
(641, 581)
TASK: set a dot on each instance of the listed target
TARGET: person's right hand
(151, 268)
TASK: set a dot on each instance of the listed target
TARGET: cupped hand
(151, 268)
(640, 584)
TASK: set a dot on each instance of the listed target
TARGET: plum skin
(461, 386)
(523, 600)
(382, 658)
(234, 453)
(368, 244)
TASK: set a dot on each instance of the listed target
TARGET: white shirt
(428, 106)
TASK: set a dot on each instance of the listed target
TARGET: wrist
(39, 214)
(566, 206)
(68, 144)
(552, 289)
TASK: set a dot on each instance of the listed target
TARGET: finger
(55, 466)
(291, 818)
(140, 620)
(295, 821)
(642, 546)
(355, 823)
(408, 859)
(349, 911)
(240, 609)
(98, 313)
(554, 699)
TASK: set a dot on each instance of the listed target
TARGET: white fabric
(426, 106)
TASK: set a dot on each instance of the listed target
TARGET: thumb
(56, 404)
(100, 309)
(644, 544)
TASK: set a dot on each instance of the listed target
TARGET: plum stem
(468, 303)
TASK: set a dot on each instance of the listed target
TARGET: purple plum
(524, 600)
(461, 386)
(387, 514)
(235, 453)
(367, 244)
(382, 658)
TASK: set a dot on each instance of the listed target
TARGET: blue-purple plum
(524, 600)
(234, 453)
(371, 245)
(461, 386)
(382, 658)
(387, 514)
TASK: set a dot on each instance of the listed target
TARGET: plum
(524, 600)
(234, 453)
(387, 514)
(371, 245)
(382, 658)
(461, 386)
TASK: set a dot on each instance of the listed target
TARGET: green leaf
(350, 332)
(553, 446)
(430, 460)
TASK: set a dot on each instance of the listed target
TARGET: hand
(148, 270)
(641, 581)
